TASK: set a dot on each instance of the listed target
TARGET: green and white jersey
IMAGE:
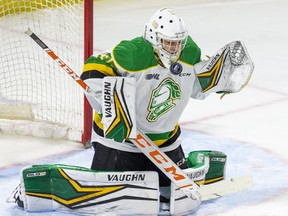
(161, 93)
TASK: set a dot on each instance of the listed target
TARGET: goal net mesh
(37, 97)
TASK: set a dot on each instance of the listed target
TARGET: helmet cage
(171, 45)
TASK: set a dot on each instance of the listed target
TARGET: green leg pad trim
(38, 178)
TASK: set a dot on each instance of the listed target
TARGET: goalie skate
(16, 197)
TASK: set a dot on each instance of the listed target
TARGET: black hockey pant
(108, 159)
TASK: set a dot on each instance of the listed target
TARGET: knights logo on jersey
(161, 100)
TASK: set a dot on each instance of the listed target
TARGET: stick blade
(230, 186)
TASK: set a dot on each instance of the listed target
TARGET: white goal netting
(36, 97)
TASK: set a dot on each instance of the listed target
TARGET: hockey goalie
(139, 90)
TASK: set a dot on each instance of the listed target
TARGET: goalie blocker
(84, 191)
(118, 107)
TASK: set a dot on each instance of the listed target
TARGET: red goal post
(36, 99)
(88, 51)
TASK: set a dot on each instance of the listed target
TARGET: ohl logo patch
(161, 100)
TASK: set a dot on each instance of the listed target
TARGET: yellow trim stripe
(99, 67)
(201, 182)
(97, 120)
(185, 63)
(214, 180)
(93, 191)
(83, 189)
(161, 141)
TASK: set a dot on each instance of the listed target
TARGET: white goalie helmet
(168, 35)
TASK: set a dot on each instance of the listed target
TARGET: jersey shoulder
(191, 54)
(134, 55)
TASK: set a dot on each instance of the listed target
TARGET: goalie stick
(159, 158)
(225, 187)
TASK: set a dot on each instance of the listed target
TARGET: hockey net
(36, 97)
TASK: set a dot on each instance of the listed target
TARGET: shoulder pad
(191, 54)
(134, 55)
